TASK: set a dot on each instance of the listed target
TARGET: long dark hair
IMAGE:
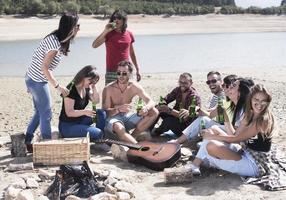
(67, 23)
(244, 90)
(121, 15)
(88, 71)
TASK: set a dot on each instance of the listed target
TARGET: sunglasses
(262, 103)
(121, 73)
(117, 17)
(226, 86)
(213, 81)
(77, 26)
(183, 83)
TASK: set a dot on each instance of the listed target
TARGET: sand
(91, 26)
(16, 105)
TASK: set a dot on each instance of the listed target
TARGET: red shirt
(117, 48)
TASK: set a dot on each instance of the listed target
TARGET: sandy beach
(91, 26)
(16, 104)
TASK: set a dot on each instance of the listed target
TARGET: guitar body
(156, 156)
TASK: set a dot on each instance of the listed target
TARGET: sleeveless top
(258, 143)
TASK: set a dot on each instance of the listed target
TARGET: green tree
(52, 7)
(71, 6)
(34, 7)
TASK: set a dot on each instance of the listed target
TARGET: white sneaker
(193, 168)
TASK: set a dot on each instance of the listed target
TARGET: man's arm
(107, 103)
(149, 103)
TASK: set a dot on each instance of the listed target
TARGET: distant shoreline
(13, 29)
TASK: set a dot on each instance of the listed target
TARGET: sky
(258, 3)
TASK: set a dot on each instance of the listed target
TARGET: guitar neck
(129, 145)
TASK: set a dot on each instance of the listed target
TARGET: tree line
(150, 7)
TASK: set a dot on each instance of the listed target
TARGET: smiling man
(214, 81)
(117, 99)
(178, 118)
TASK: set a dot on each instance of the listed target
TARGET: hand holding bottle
(183, 114)
(63, 90)
(89, 112)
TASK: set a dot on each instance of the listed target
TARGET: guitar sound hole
(144, 148)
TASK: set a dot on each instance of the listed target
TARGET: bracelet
(57, 85)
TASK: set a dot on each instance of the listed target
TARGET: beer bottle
(162, 101)
(203, 124)
(94, 118)
(139, 105)
(181, 107)
(220, 111)
(192, 108)
(113, 25)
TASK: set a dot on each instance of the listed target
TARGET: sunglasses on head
(213, 81)
(121, 73)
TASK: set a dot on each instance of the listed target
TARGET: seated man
(117, 98)
(178, 118)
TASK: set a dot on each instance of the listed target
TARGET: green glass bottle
(113, 25)
(203, 124)
(180, 108)
(70, 85)
(192, 108)
(139, 105)
(94, 118)
(162, 101)
(220, 111)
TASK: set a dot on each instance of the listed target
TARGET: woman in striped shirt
(45, 59)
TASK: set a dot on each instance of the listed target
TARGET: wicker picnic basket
(61, 151)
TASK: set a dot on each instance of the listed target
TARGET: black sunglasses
(117, 17)
(121, 73)
(211, 81)
(226, 85)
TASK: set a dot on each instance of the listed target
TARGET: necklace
(122, 90)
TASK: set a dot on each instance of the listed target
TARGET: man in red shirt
(119, 45)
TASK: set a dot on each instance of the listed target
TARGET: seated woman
(75, 119)
(257, 157)
(236, 91)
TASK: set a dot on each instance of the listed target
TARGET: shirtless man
(117, 99)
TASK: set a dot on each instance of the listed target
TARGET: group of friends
(241, 144)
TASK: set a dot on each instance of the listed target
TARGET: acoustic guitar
(156, 156)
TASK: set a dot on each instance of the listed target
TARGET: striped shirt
(48, 44)
(213, 101)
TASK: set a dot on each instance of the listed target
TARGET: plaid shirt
(176, 95)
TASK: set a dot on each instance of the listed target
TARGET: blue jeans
(42, 105)
(246, 166)
(82, 127)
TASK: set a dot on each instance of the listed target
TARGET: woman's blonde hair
(265, 121)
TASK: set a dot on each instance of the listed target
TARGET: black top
(79, 104)
(257, 143)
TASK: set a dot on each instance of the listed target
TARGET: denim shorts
(129, 120)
